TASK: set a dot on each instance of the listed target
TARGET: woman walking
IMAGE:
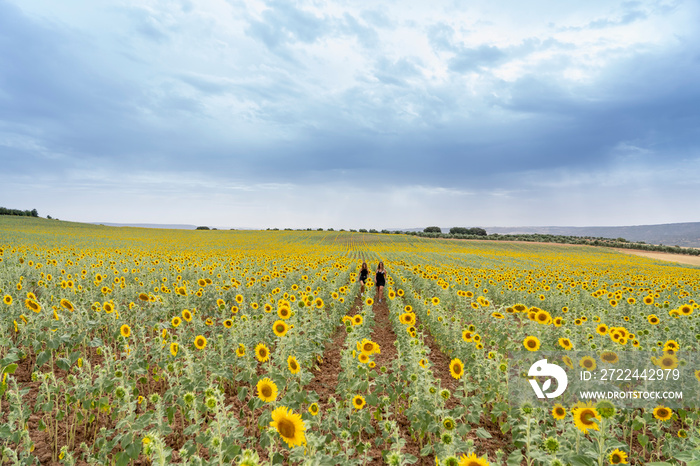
(380, 281)
(362, 278)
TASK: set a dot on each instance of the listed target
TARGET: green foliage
(21, 213)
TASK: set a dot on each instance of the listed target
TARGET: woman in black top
(364, 273)
(380, 281)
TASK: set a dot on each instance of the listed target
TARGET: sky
(351, 114)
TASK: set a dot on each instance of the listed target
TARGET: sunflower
(435, 301)
(369, 347)
(558, 321)
(667, 362)
(543, 317)
(602, 329)
(280, 328)
(32, 305)
(284, 312)
(662, 413)
(313, 409)
(239, 298)
(587, 363)
(143, 297)
(648, 300)
(567, 360)
(531, 343)
(209, 322)
(369, 301)
(472, 460)
(293, 365)
(200, 342)
(408, 308)
(672, 345)
(357, 319)
(609, 356)
(318, 303)
(175, 322)
(289, 425)
(228, 323)
(125, 331)
(240, 351)
(358, 402)
(686, 309)
(174, 347)
(187, 315)
(262, 352)
(585, 416)
(456, 368)
(558, 412)
(498, 315)
(617, 456)
(7, 299)
(653, 319)
(423, 363)
(363, 358)
(565, 343)
(67, 305)
(467, 335)
(267, 390)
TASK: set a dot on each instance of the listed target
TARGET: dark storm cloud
(392, 101)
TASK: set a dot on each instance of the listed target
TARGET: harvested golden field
(143, 346)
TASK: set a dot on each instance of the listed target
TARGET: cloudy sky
(351, 114)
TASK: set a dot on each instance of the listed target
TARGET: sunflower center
(280, 328)
(293, 365)
(615, 458)
(559, 411)
(531, 343)
(286, 428)
(458, 369)
(587, 418)
(662, 413)
(266, 391)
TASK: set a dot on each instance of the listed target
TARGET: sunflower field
(144, 346)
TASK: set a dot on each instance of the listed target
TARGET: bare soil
(663, 256)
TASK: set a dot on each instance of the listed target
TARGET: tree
(202, 228)
(432, 230)
(459, 231)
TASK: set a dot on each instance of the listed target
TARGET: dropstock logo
(542, 368)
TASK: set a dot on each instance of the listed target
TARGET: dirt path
(383, 334)
(325, 380)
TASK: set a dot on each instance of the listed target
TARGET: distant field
(139, 346)
(662, 256)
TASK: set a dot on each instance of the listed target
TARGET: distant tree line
(21, 213)
(481, 234)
